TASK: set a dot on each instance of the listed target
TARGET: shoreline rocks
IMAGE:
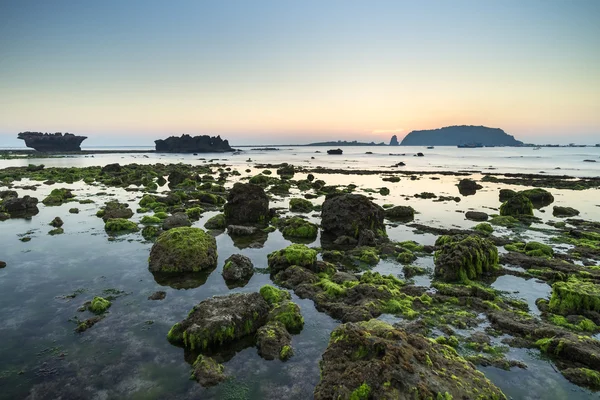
(192, 144)
(52, 142)
(183, 249)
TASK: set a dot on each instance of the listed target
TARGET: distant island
(345, 143)
(192, 144)
(460, 135)
(52, 142)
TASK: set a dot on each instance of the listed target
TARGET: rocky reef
(48, 142)
(192, 144)
(463, 134)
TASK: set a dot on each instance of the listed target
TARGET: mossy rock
(562, 212)
(150, 219)
(517, 205)
(400, 213)
(273, 296)
(216, 222)
(194, 213)
(296, 254)
(208, 372)
(539, 197)
(183, 249)
(300, 205)
(461, 259)
(296, 227)
(274, 341)
(150, 232)
(484, 228)
(574, 297)
(537, 249)
(58, 197)
(288, 313)
(99, 305)
(115, 225)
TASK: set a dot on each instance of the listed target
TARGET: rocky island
(192, 144)
(460, 135)
(50, 142)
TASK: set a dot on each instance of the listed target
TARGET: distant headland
(460, 135)
(51, 142)
(192, 144)
(345, 143)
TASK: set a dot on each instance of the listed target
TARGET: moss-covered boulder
(238, 269)
(506, 194)
(220, 320)
(287, 313)
(300, 205)
(274, 341)
(247, 204)
(574, 297)
(116, 225)
(58, 197)
(296, 254)
(298, 228)
(373, 360)
(216, 222)
(516, 206)
(114, 209)
(400, 213)
(539, 197)
(99, 305)
(350, 214)
(461, 259)
(207, 372)
(183, 249)
(563, 212)
(150, 232)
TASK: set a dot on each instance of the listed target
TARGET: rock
(420, 155)
(274, 341)
(583, 377)
(5, 194)
(300, 205)
(394, 141)
(207, 371)
(120, 225)
(4, 216)
(287, 313)
(111, 168)
(460, 135)
(150, 232)
(48, 142)
(57, 222)
(177, 177)
(220, 320)
(506, 194)
(400, 213)
(335, 151)
(216, 222)
(241, 230)
(350, 214)
(538, 197)
(296, 254)
(563, 212)
(88, 323)
(99, 305)
(114, 209)
(247, 204)
(476, 216)
(460, 259)
(286, 171)
(20, 206)
(516, 205)
(183, 249)
(589, 160)
(176, 220)
(58, 197)
(298, 228)
(74, 210)
(160, 295)
(195, 144)
(238, 268)
(345, 241)
(2, 264)
(373, 360)
(574, 297)
(367, 238)
(468, 187)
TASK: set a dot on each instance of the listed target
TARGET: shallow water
(126, 355)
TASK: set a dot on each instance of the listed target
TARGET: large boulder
(539, 197)
(575, 297)
(176, 220)
(183, 249)
(296, 254)
(350, 214)
(461, 259)
(247, 204)
(562, 212)
(220, 320)
(516, 206)
(20, 206)
(373, 360)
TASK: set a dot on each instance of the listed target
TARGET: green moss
(537, 249)
(57, 197)
(451, 341)
(289, 315)
(516, 246)
(361, 393)
(517, 205)
(150, 232)
(161, 215)
(465, 258)
(574, 296)
(506, 221)
(148, 219)
(332, 289)
(272, 295)
(120, 225)
(484, 227)
(216, 222)
(584, 324)
(285, 353)
(369, 256)
(300, 205)
(261, 180)
(189, 248)
(411, 246)
(406, 257)
(56, 231)
(99, 305)
(296, 254)
(296, 227)
(399, 305)
(194, 212)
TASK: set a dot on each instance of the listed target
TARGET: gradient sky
(273, 72)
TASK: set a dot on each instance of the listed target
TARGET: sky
(283, 72)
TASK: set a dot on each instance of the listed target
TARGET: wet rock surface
(350, 214)
(183, 249)
(246, 204)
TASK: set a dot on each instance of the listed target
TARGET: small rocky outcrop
(516, 206)
(20, 207)
(58, 197)
(247, 204)
(192, 144)
(57, 222)
(350, 214)
(373, 360)
(400, 213)
(207, 371)
(114, 209)
(237, 268)
(216, 222)
(183, 249)
(296, 254)
(394, 141)
(461, 259)
(564, 212)
(296, 228)
(468, 187)
(176, 220)
(159, 295)
(539, 197)
(52, 142)
(476, 216)
(300, 205)
(274, 341)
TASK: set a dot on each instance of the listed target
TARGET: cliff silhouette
(192, 144)
(460, 135)
(52, 142)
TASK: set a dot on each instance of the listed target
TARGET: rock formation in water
(52, 141)
(192, 144)
(460, 135)
(394, 141)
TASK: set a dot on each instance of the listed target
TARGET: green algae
(296, 254)
(272, 295)
(517, 205)
(484, 228)
(462, 259)
(216, 222)
(289, 315)
(150, 219)
(99, 305)
(300, 205)
(574, 296)
(297, 227)
(361, 393)
(120, 225)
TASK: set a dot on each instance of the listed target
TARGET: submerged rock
(460, 259)
(160, 295)
(562, 212)
(247, 204)
(350, 214)
(207, 371)
(58, 197)
(57, 222)
(373, 360)
(238, 268)
(220, 320)
(183, 249)
(517, 205)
